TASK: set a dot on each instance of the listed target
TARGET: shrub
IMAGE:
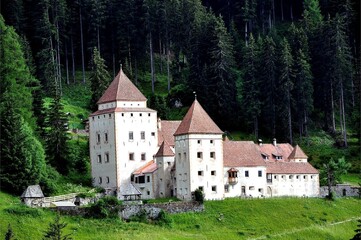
(164, 219)
(142, 217)
(106, 207)
(21, 210)
(198, 196)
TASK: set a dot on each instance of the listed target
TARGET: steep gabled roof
(197, 121)
(164, 150)
(280, 150)
(121, 89)
(241, 154)
(297, 153)
(291, 168)
(166, 131)
(32, 191)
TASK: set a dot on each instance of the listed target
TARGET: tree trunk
(256, 127)
(344, 133)
(160, 55)
(273, 12)
(82, 44)
(58, 58)
(72, 58)
(67, 64)
(151, 60)
(289, 116)
(130, 57)
(282, 10)
(291, 11)
(246, 33)
(333, 111)
(168, 67)
(98, 37)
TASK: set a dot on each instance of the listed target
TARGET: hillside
(283, 218)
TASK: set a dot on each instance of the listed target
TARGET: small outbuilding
(32, 196)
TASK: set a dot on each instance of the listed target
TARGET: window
(131, 136)
(98, 138)
(290, 176)
(142, 135)
(148, 178)
(179, 156)
(199, 141)
(99, 158)
(131, 114)
(100, 180)
(142, 157)
(106, 137)
(199, 154)
(186, 191)
(226, 188)
(232, 174)
(148, 193)
(260, 173)
(140, 114)
(141, 179)
(131, 156)
(214, 188)
(212, 154)
(122, 114)
(152, 134)
(108, 180)
(251, 188)
(200, 173)
(211, 141)
(260, 190)
(168, 163)
(200, 188)
(110, 116)
(246, 174)
(213, 173)
(298, 177)
(106, 157)
(93, 118)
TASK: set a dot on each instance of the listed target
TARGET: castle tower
(165, 162)
(122, 135)
(198, 155)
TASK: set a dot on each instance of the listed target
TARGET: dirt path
(301, 229)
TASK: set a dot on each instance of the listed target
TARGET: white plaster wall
(164, 178)
(187, 168)
(305, 185)
(254, 185)
(147, 187)
(102, 124)
(135, 122)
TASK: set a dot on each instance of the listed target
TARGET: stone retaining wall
(341, 190)
(152, 210)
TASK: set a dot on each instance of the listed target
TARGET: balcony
(232, 180)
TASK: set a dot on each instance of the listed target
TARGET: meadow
(276, 218)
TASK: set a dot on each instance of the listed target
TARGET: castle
(135, 155)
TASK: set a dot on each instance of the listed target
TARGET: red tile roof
(166, 132)
(241, 154)
(291, 168)
(281, 149)
(297, 153)
(149, 167)
(121, 89)
(197, 121)
(164, 150)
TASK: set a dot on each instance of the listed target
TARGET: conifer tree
(285, 85)
(56, 136)
(251, 86)
(55, 230)
(99, 78)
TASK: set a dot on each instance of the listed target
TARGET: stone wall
(152, 210)
(341, 190)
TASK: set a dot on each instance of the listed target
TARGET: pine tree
(312, 15)
(9, 235)
(99, 78)
(56, 136)
(55, 230)
(285, 85)
(358, 231)
(251, 86)
(22, 155)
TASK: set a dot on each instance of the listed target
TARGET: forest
(270, 68)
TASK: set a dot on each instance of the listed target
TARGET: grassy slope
(286, 218)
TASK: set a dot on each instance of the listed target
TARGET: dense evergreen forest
(272, 68)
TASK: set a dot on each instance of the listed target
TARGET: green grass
(351, 178)
(277, 218)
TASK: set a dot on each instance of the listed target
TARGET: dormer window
(265, 156)
(277, 156)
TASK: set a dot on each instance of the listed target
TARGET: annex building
(136, 155)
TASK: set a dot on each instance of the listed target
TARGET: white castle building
(136, 155)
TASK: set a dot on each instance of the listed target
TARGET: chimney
(274, 142)
(260, 142)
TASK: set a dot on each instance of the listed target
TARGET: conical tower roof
(121, 89)
(297, 153)
(197, 121)
(164, 150)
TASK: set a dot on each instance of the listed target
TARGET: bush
(21, 210)
(164, 219)
(142, 217)
(106, 207)
(198, 196)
